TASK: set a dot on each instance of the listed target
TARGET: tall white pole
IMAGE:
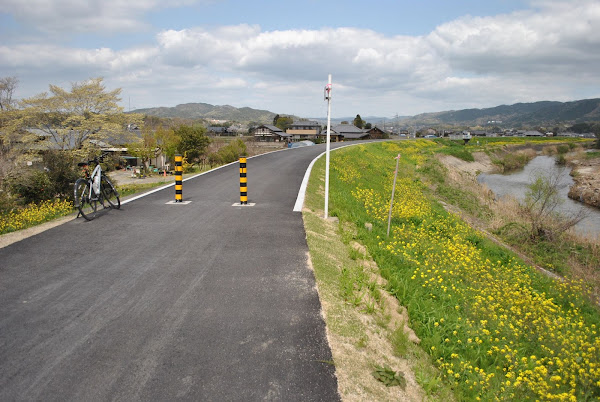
(328, 95)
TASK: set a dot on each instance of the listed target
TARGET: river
(516, 184)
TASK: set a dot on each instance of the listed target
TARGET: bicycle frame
(94, 188)
(94, 180)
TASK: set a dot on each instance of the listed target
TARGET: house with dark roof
(348, 132)
(375, 133)
(269, 133)
(304, 130)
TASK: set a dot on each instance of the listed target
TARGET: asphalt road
(204, 301)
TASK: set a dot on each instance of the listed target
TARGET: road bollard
(243, 182)
(178, 178)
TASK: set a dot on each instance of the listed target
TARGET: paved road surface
(204, 301)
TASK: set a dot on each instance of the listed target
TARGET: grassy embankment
(509, 153)
(494, 326)
(566, 255)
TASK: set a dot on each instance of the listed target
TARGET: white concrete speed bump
(177, 203)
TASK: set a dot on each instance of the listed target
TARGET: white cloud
(562, 37)
(55, 16)
(548, 52)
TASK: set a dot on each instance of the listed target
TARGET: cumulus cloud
(57, 16)
(559, 37)
(550, 51)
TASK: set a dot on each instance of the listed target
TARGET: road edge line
(137, 197)
(302, 191)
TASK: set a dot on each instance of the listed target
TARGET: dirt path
(482, 164)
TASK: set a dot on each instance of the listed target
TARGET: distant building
(269, 133)
(214, 130)
(348, 132)
(304, 130)
(376, 133)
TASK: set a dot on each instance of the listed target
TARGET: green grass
(592, 155)
(442, 271)
(463, 199)
(353, 305)
(457, 149)
(400, 342)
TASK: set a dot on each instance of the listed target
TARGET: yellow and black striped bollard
(243, 182)
(178, 178)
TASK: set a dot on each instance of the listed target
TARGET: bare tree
(8, 85)
(540, 209)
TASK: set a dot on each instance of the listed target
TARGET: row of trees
(359, 122)
(283, 122)
(188, 140)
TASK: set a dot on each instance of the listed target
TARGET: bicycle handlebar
(97, 159)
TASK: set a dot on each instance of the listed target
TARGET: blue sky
(386, 57)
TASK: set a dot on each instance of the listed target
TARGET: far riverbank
(585, 169)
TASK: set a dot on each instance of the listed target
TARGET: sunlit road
(204, 301)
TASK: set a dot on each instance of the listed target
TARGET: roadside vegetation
(532, 228)
(493, 325)
(375, 352)
(42, 139)
(34, 214)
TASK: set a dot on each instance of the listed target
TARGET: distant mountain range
(206, 111)
(519, 114)
(545, 112)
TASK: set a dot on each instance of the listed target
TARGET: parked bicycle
(94, 189)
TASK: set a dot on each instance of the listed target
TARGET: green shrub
(7, 201)
(232, 151)
(592, 155)
(31, 187)
(512, 161)
(61, 172)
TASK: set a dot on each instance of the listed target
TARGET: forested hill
(206, 111)
(517, 114)
(537, 113)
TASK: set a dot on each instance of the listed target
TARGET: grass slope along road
(203, 301)
(494, 327)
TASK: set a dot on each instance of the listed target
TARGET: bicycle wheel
(87, 206)
(110, 193)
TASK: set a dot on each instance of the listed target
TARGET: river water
(516, 184)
